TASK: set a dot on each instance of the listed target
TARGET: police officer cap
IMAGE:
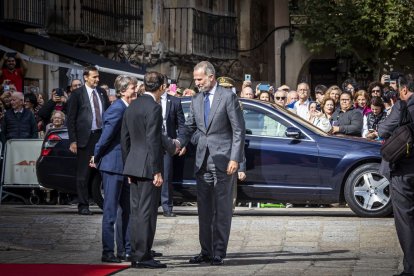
(226, 82)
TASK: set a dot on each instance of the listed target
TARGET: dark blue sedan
(288, 160)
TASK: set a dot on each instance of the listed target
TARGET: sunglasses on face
(280, 98)
(376, 91)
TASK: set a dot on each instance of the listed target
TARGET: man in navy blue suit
(173, 120)
(108, 159)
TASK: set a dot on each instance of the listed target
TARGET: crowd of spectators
(345, 109)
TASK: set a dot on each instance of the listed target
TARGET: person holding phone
(9, 71)
(374, 118)
(57, 102)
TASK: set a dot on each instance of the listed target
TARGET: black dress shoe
(169, 214)
(110, 258)
(217, 260)
(85, 212)
(124, 257)
(404, 274)
(148, 264)
(200, 258)
(155, 254)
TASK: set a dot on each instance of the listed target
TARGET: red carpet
(59, 269)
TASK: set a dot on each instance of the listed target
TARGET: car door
(278, 167)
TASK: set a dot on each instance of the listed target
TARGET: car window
(261, 124)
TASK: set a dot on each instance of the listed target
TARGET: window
(261, 124)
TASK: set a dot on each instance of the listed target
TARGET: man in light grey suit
(216, 115)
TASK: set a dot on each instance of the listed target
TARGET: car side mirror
(293, 132)
(249, 131)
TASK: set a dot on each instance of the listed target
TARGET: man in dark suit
(108, 159)
(142, 151)
(216, 115)
(402, 175)
(173, 120)
(86, 106)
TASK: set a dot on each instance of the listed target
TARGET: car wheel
(367, 192)
(97, 190)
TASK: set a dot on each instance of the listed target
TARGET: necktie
(206, 107)
(98, 116)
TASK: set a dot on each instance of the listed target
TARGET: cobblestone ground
(331, 241)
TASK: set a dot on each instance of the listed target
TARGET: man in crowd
(142, 151)
(217, 117)
(280, 97)
(174, 125)
(247, 92)
(402, 177)
(11, 74)
(108, 159)
(74, 84)
(18, 122)
(85, 108)
(302, 105)
(346, 119)
(292, 97)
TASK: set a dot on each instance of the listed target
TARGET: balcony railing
(193, 32)
(25, 12)
(118, 21)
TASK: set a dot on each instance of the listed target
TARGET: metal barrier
(19, 166)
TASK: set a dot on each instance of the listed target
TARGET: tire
(367, 192)
(96, 189)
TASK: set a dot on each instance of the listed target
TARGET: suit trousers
(83, 171)
(143, 220)
(116, 196)
(166, 188)
(214, 204)
(402, 193)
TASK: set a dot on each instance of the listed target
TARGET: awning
(76, 54)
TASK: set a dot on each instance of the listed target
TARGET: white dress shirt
(90, 96)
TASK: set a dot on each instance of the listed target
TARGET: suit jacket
(141, 138)
(108, 154)
(225, 132)
(80, 116)
(175, 118)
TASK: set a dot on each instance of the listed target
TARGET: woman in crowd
(328, 108)
(346, 119)
(375, 89)
(374, 118)
(334, 92)
(265, 96)
(361, 101)
(57, 120)
(317, 118)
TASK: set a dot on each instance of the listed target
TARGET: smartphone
(264, 87)
(387, 79)
(248, 77)
(371, 130)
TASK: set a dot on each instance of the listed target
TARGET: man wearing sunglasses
(281, 97)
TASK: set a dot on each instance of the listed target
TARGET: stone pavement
(305, 241)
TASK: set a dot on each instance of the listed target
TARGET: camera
(247, 77)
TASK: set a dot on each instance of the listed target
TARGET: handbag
(400, 144)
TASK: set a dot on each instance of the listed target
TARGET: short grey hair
(122, 82)
(207, 67)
